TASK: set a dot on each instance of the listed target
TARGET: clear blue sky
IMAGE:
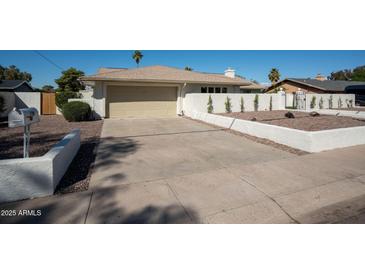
(250, 64)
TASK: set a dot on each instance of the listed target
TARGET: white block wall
(26, 178)
(198, 102)
(326, 98)
(28, 99)
(21, 100)
(9, 98)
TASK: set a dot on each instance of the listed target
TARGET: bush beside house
(76, 111)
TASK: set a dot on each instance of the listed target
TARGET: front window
(211, 90)
(224, 90)
(217, 90)
(203, 89)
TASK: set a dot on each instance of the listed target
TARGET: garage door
(141, 102)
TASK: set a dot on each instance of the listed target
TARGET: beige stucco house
(154, 91)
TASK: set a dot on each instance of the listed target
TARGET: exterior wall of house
(9, 98)
(28, 99)
(100, 93)
(99, 99)
(21, 100)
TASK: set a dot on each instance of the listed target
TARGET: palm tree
(274, 75)
(188, 68)
(137, 56)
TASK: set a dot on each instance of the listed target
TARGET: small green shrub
(210, 104)
(339, 103)
(228, 105)
(2, 104)
(330, 102)
(321, 103)
(313, 102)
(242, 104)
(256, 102)
(63, 96)
(270, 107)
(351, 103)
(76, 111)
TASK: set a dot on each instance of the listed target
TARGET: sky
(250, 64)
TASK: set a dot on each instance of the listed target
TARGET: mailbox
(23, 117)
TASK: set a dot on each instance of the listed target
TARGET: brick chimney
(229, 72)
(320, 77)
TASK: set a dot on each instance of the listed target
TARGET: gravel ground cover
(47, 133)
(302, 120)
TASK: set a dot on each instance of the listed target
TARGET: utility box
(23, 117)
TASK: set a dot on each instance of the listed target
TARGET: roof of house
(12, 84)
(163, 74)
(331, 85)
(253, 86)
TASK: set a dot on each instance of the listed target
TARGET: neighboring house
(317, 85)
(154, 91)
(252, 88)
(15, 86)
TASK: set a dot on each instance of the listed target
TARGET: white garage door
(141, 102)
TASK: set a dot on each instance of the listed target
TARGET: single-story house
(15, 86)
(154, 91)
(317, 85)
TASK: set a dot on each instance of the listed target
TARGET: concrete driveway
(182, 171)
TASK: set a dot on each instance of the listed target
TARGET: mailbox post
(24, 117)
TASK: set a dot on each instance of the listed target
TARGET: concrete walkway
(181, 171)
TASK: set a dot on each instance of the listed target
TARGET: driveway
(182, 171)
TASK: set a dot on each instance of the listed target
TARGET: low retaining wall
(348, 113)
(26, 178)
(310, 141)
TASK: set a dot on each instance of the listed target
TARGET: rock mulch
(302, 120)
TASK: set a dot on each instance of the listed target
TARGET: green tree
(274, 75)
(339, 102)
(137, 56)
(13, 73)
(48, 88)
(188, 68)
(313, 102)
(358, 74)
(69, 80)
(228, 105)
(341, 75)
(330, 102)
(256, 102)
(242, 104)
(210, 104)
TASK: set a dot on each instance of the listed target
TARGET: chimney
(320, 77)
(229, 72)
